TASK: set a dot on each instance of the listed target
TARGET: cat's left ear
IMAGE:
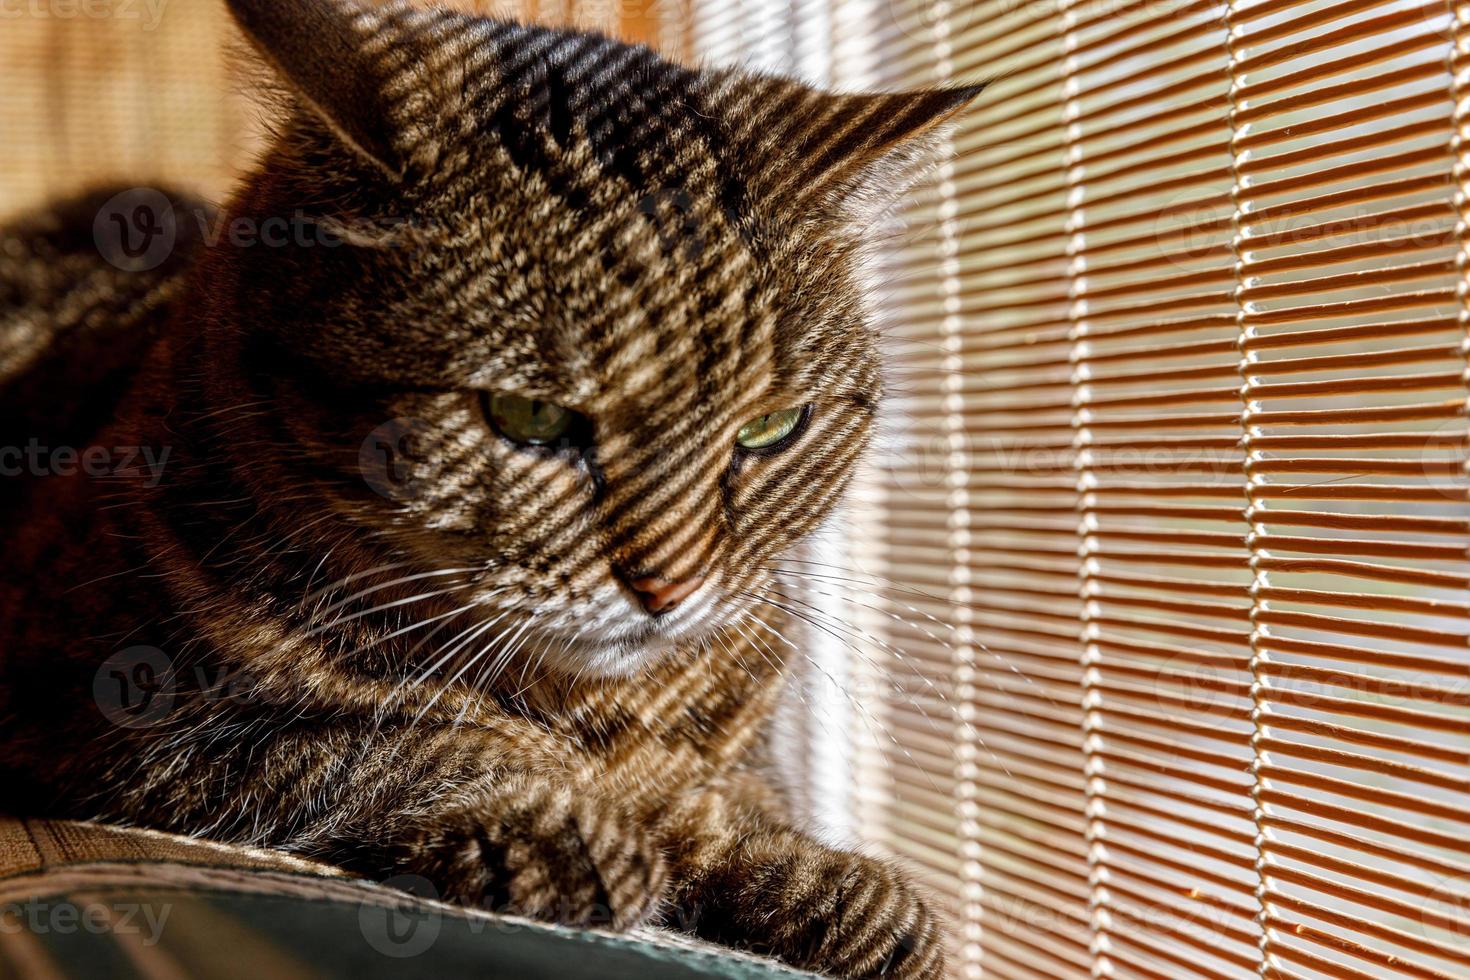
(338, 58)
(861, 153)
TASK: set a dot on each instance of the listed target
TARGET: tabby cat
(436, 533)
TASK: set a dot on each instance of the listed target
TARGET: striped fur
(441, 673)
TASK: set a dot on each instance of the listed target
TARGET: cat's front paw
(540, 849)
(830, 912)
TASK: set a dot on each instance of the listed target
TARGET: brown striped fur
(437, 670)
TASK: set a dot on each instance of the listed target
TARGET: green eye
(766, 431)
(529, 420)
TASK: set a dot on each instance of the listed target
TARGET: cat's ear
(332, 56)
(859, 154)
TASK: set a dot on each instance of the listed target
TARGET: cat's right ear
(335, 58)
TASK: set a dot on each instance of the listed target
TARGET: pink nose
(659, 595)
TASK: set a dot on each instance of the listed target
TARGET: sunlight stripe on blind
(1159, 481)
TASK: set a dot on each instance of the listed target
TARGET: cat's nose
(659, 595)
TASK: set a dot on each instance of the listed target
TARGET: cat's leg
(744, 879)
(534, 845)
(491, 819)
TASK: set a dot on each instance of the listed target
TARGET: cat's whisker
(383, 607)
(229, 409)
(758, 644)
(766, 654)
(871, 723)
(405, 580)
(353, 577)
(889, 585)
(729, 648)
(105, 578)
(416, 625)
(899, 655)
(814, 614)
(447, 685)
(395, 694)
(909, 699)
(539, 660)
(470, 636)
(868, 719)
(326, 557)
(517, 640)
(508, 649)
(410, 682)
(919, 708)
(869, 579)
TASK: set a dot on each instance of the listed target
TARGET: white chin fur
(616, 638)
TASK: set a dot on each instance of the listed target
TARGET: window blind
(1168, 540)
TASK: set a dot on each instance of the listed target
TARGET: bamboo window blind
(1167, 544)
(1171, 524)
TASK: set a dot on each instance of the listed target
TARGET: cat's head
(589, 321)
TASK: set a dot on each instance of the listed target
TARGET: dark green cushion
(210, 934)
